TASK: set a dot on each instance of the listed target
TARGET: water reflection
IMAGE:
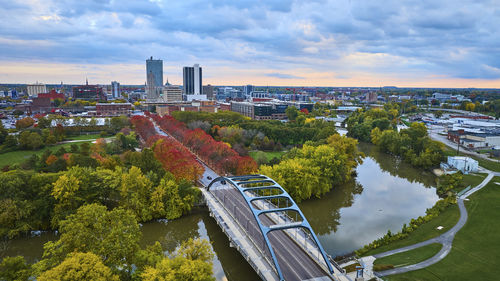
(381, 198)
(385, 194)
(228, 264)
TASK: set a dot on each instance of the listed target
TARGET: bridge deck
(294, 262)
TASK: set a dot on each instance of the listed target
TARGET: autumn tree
(192, 262)
(79, 267)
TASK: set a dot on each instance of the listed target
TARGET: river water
(385, 194)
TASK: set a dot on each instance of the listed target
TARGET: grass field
(448, 218)
(476, 249)
(410, 257)
(269, 154)
(472, 180)
(20, 156)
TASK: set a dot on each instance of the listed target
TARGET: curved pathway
(445, 239)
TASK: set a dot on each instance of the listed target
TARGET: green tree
(112, 235)
(3, 133)
(165, 200)
(135, 192)
(14, 269)
(193, 262)
(292, 112)
(79, 267)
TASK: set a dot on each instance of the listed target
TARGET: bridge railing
(244, 221)
(299, 235)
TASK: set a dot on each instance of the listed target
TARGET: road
(433, 134)
(445, 239)
(295, 264)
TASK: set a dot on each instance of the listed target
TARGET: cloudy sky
(421, 43)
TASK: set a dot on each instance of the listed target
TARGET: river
(385, 194)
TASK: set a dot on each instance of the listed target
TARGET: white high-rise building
(192, 77)
(115, 90)
(35, 89)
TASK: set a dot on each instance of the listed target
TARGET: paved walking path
(445, 239)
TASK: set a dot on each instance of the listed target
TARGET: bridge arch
(241, 182)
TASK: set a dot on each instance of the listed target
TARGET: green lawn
(476, 249)
(472, 180)
(269, 154)
(410, 257)
(20, 156)
(448, 218)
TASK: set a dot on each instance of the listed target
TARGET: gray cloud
(454, 38)
(283, 76)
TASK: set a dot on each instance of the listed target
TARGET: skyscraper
(248, 89)
(192, 77)
(115, 90)
(154, 78)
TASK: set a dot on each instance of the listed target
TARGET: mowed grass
(471, 180)
(19, 156)
(476, 248)
(448, 218)
(269, 154)
(410, 257)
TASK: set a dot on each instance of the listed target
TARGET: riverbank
(476, 248)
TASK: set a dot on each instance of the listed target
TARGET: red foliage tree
(215, 153)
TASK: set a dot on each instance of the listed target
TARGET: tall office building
(192, 77)
(154, 78)
(115, 90)
(248, 89)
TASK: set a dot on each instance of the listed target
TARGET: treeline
(314, 170)
(134, 181)
(37, 135)
(412, 144)
(217, 154)
(254, 133)
(100, 244)
(174, 157)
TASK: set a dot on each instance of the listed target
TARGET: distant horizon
(402, 43)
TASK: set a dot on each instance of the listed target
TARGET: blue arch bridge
(266, 226)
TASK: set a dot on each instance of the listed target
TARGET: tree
(165, 200)
(79, 267)
(292, 112)
(44, 123)
(24, 123)
(135, 192)
(3, 133)
(438, 114)
(192, 262)
(14, 269)
(112, 235)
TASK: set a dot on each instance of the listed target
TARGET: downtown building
(115, 90)
(88, 92)
(154, 79)
(192, 83)
(35, 89)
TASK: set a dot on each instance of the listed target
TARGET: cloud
(283, 76)
(406, 40)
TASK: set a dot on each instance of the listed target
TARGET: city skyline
(275, 43)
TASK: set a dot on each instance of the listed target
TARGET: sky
(404, 43)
